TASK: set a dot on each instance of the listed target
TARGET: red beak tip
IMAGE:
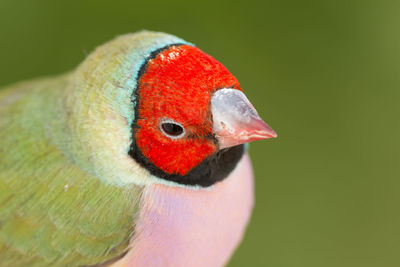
(269, 132)
(269, 135)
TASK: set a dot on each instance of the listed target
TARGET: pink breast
(186, 227)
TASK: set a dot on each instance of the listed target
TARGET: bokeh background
(324, 74)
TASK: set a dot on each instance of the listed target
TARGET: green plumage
(52, 212)
(69, 191)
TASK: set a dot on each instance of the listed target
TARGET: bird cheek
(174, 156)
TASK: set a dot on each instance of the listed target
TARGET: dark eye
(172, 129)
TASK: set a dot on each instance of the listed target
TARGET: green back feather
(51, 212)
(69, 191)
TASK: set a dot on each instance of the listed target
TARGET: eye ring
(172, 129)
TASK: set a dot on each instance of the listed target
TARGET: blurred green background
(324, 74)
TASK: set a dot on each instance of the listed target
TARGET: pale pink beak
(235, 120)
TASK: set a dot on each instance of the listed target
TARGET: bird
(138, 157)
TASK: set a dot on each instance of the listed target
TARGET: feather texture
(51, 211)
(69, 191)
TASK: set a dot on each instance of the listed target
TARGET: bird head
(173, 110)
